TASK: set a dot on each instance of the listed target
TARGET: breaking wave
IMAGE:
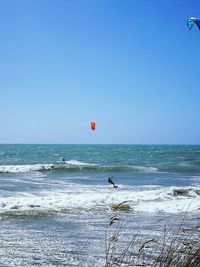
(25, 168)
(88, 198)
(74, 165)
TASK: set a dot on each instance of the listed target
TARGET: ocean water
(54, 212)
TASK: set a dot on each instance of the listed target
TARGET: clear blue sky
(132, 66)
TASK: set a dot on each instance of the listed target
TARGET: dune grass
(175, 247)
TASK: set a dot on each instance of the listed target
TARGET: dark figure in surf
(110, 181)
(63, 160)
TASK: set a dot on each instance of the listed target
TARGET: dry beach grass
(175, 247)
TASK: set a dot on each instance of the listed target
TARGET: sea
(56, 202)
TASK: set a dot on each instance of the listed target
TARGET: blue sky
(132, 66)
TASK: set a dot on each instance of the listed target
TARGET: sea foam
(75, 165)
(25, 168)
(82, 197)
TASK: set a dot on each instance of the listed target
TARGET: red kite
(93, 125)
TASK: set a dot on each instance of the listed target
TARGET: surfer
(63, 160)
(110, 181)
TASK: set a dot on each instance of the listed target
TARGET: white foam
(78, 163)
(25, 168)
(71, 196)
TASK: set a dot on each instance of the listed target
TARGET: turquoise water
(180, 158)
(53, 212)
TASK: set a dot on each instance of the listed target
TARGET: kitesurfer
(110, 181)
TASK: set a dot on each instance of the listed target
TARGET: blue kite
(191, 21)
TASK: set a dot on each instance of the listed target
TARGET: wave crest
(79, 197)
(74, 165)
(25, 168)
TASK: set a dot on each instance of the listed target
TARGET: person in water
(110, 181)
(63, 160)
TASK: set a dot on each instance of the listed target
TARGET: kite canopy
(191, 21)
(93, 125)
